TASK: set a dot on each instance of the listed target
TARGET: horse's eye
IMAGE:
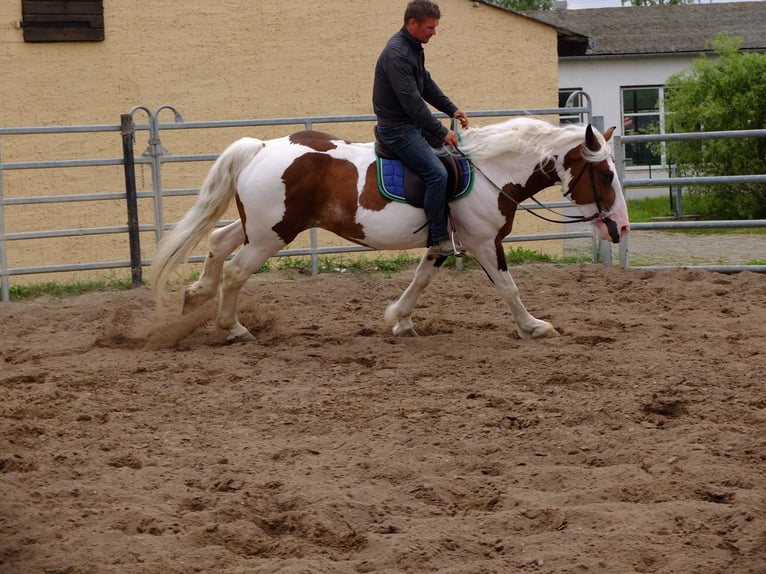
(607, 177)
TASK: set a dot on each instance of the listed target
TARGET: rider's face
(422, 31)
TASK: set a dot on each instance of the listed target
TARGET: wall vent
(62, 20)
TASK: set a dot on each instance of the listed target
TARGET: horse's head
(589, 180)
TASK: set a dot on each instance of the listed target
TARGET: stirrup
(457, 245)
(446, 248)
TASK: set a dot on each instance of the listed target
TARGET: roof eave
(636, 55)
(559, 29)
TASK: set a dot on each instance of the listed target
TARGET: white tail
(214, 198)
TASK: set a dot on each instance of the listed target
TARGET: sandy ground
(633, 442)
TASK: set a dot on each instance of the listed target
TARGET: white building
(622, 57)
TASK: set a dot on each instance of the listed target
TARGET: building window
(576, 101)
(62, 20)
(642, 113)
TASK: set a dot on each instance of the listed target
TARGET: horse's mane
(527, 136)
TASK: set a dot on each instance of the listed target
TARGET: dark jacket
(402, 87)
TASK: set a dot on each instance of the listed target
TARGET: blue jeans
(408, 143)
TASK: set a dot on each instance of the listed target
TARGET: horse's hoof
(191, 302)
(246, 337)
(539, 332)
(401, 331)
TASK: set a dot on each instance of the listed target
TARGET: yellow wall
(231, 59)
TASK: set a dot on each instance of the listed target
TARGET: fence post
(4, 276)
(619, 163)
(129, 167)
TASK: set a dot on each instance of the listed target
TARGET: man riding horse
(401, 89)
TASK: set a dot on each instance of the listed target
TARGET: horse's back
(309, 179)
(285, 150)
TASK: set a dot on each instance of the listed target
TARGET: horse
(312, 179)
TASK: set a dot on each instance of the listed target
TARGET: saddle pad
(395, 179)
(391, 178)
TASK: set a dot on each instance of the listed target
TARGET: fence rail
(619, 148)
(155, 156)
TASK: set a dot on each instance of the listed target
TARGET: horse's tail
(214, 198)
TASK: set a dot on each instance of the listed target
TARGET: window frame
(629, 115)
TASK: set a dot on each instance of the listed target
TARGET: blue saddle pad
(398, 183)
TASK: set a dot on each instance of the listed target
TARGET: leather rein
(601, 213)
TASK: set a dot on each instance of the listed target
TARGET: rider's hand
(451, 139)
(462, 118)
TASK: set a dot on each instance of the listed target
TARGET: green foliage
(525, 5)
(647, 208)
(715, 94)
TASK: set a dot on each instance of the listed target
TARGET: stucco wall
(229, 60)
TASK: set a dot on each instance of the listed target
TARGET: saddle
(399, 183)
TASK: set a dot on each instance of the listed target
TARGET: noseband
(602, 214)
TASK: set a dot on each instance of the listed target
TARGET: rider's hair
(421, 10)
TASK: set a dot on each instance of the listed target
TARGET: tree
(716, 94)
(525, 5)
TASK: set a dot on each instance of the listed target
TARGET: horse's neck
(523, 172)
(542, 177)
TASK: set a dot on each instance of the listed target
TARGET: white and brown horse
(311, 179)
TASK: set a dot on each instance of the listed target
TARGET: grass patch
(520, 256)
(63, 290)
(337, 264)
(646, 209)
(388, 266)
(402, 262)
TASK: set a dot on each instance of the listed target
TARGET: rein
(569, 218)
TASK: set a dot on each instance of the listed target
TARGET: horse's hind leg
(400, 312)
(223, 241)
(235, 274)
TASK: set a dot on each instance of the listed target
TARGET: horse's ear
(608, 133)
(591, 141)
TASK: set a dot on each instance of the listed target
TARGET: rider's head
(420, 10)
(421, 18)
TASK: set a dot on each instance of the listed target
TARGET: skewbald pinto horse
(311, 179)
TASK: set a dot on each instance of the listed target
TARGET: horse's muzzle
(611, 226)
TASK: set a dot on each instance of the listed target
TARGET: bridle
(589, 166)
(600, 214)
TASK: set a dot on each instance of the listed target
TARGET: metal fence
(624, 247)
(155, 156)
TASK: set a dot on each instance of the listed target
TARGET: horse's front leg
(400, 312)
(222, 242)
(492, 259)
